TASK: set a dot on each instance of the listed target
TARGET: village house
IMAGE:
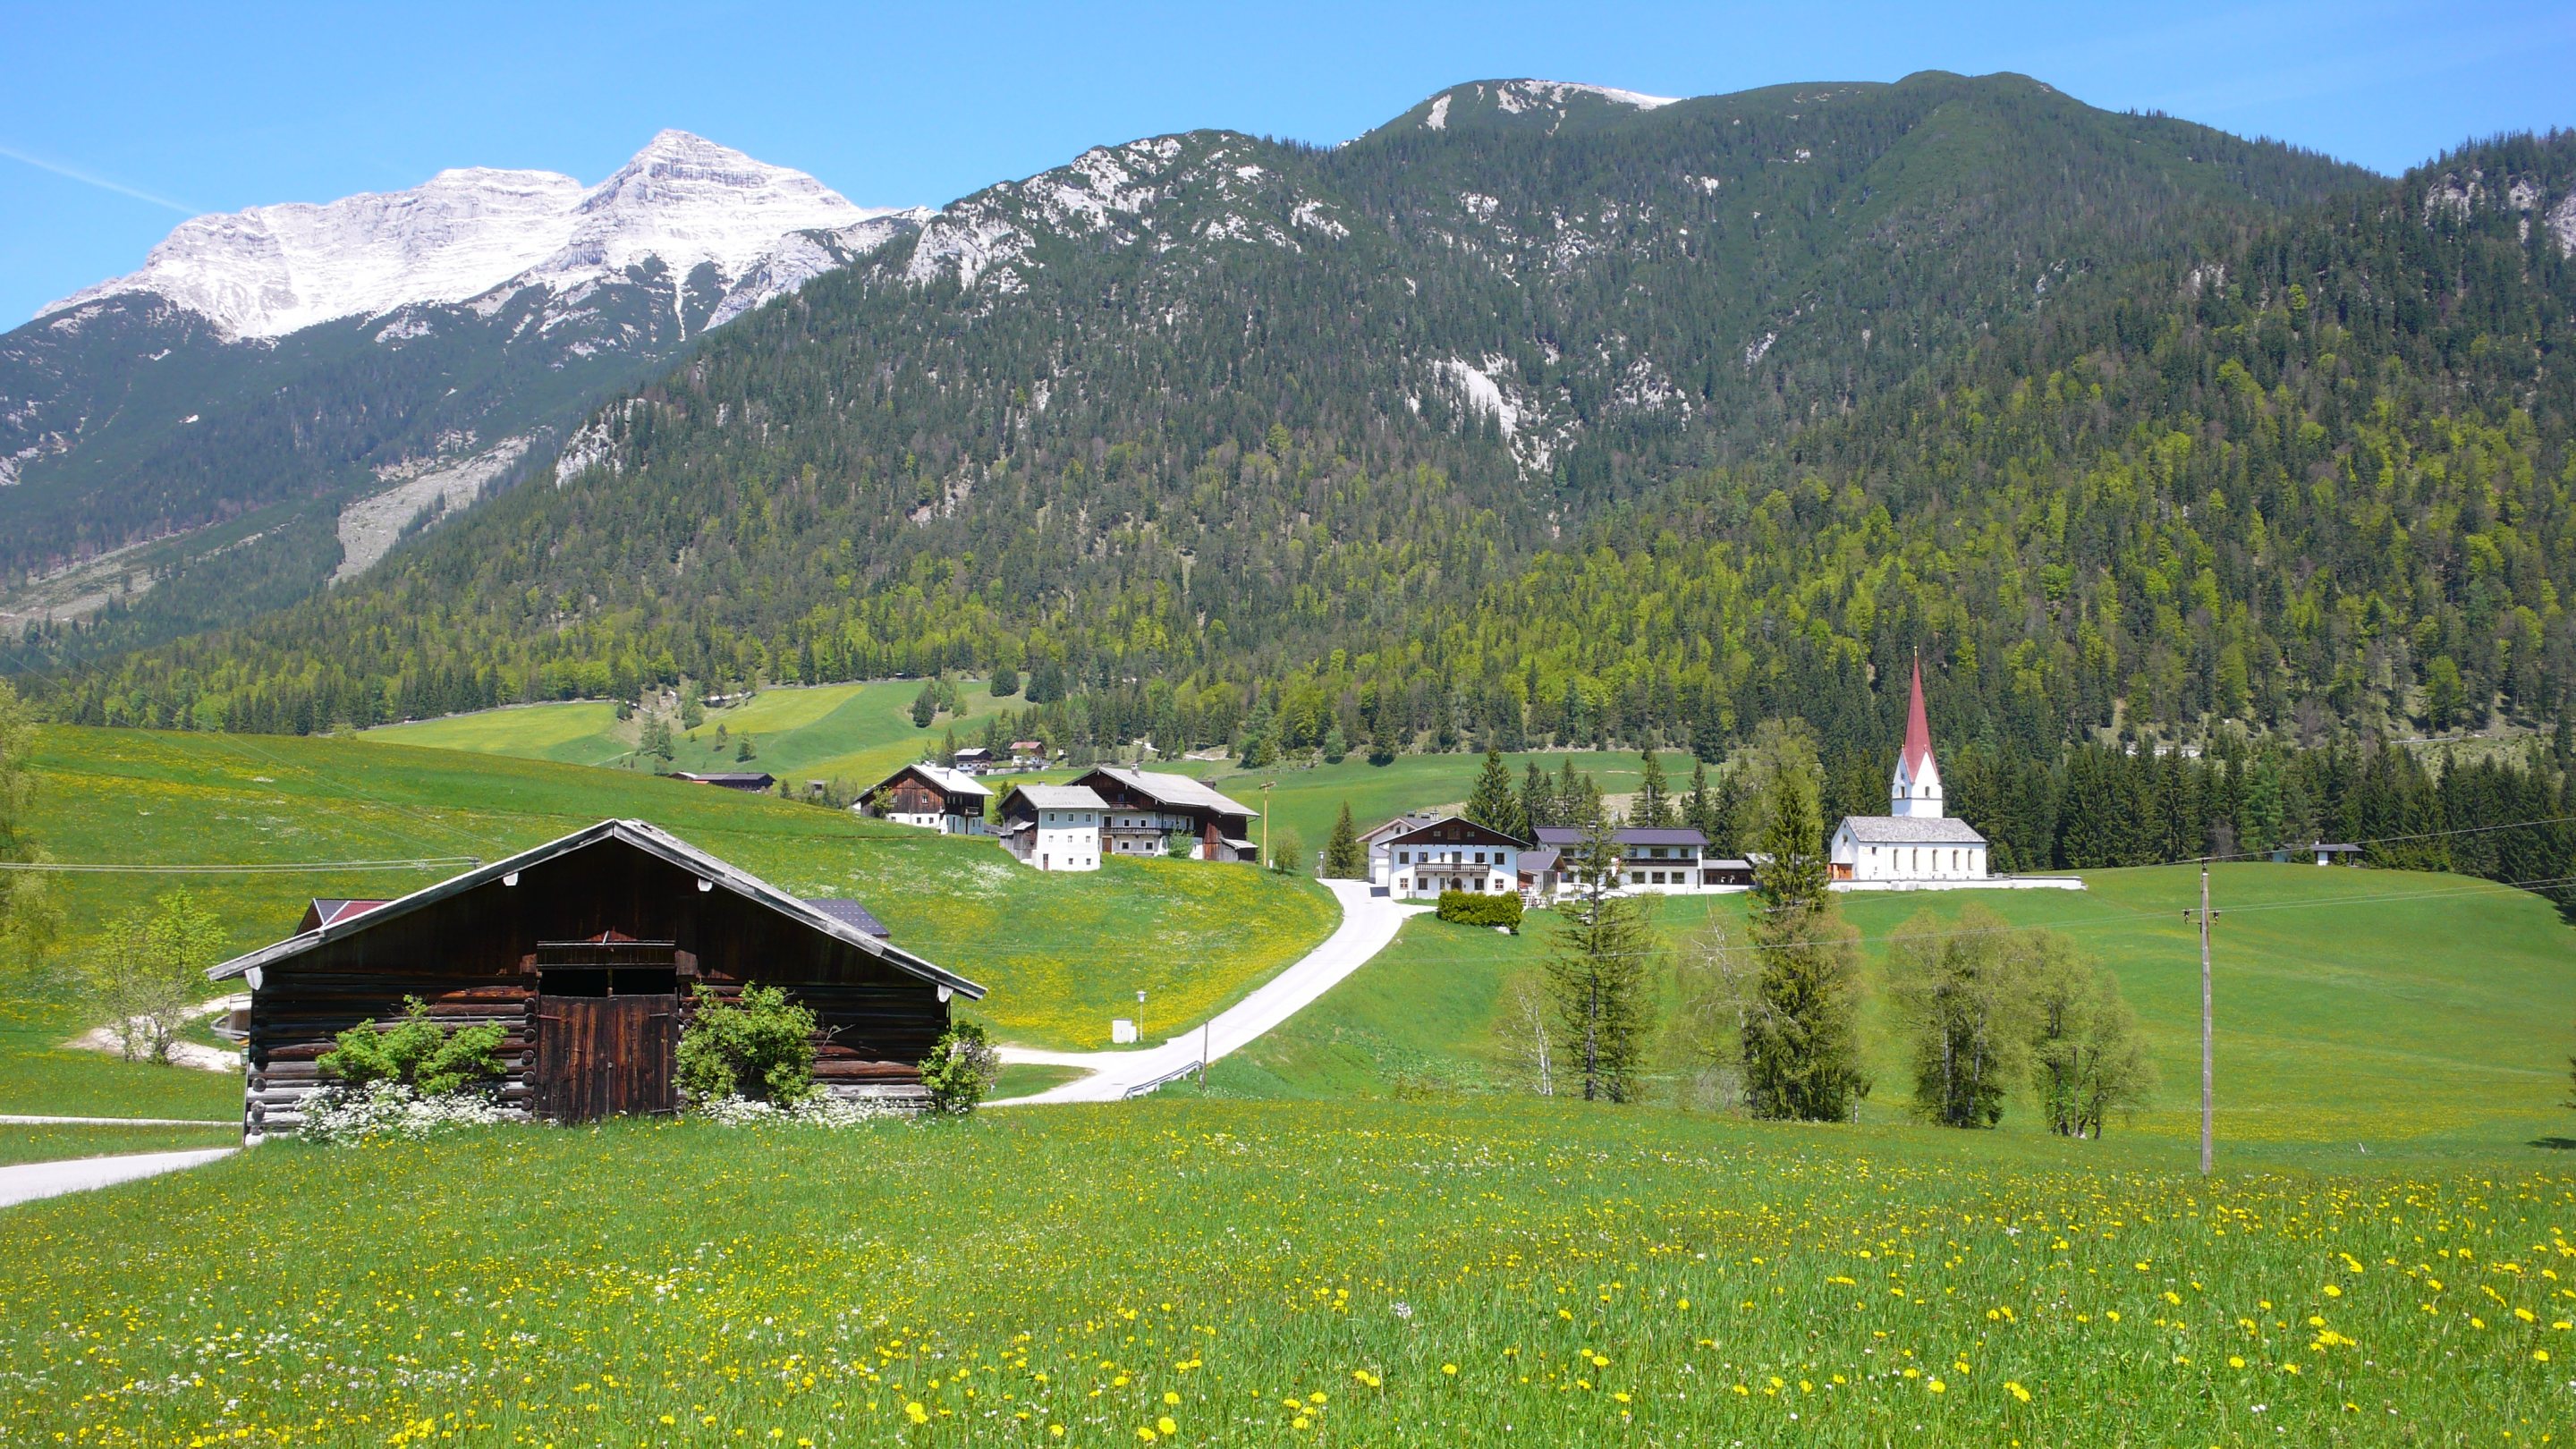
(1417, 857)
(586, 951)
(1146, 812)
(974, 760)
(933, 797)
(1652, 860)
(728, 779)
(1053, 827)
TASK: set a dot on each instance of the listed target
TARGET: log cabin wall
(468, 957)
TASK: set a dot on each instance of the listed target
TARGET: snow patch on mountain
(1514, 97)
(1483, 390)
(480, 235)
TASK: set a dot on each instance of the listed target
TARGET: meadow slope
(1060, 954)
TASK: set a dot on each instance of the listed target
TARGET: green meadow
(2352, 1018)
(854, 733)
(1059, 954)
(1250, 1273)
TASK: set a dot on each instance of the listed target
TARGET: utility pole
(1265, 821)
(1140, 1016)
(2207, 1051)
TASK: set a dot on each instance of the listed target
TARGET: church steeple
(1916, 788)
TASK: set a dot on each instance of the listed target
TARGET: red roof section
(1918, 730)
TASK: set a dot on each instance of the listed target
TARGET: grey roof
(732, 779)
(1406, 823)
(642, 835)
(1539, 861)
(1562, 836)
(1178, 790)
(853, 914)
(1911, 830)
(1060, 797)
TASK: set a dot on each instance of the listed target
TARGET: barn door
(599, 1056)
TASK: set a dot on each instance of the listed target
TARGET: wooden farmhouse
(586, 949)
(728, 779)
(1149, 812)
(933, 797)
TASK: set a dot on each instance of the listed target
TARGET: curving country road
(1368, 924)
(29, 1181)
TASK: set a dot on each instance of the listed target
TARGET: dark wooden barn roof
(643, 836)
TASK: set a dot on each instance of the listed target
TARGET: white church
(1915, 846)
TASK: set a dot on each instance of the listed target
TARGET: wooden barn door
(600, 1056)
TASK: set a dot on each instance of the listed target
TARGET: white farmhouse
(1416, 857)
(1053, 827)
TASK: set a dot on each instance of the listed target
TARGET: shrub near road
(1269, 1274)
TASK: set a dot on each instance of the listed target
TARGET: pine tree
(1538, 799)
(1490, 803)
(1599, 973)
(925, 705)
(1653, 807)
(1699, 803)
(1801, 1050)
(1344, 857)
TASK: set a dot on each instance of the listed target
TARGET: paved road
(29, 1181)
(18, 1120)
(1368, 924)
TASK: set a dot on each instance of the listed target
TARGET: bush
(961, 1069)
(1475, 908)
(388, 1109)
(759, 1046)
(417, 1054)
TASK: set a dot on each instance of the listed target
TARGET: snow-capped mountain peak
(272, 270)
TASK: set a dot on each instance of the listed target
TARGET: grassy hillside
(1060, 954)
(1265, 1273)
(2357, 1010)
(852, 732)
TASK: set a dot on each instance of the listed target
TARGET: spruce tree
(1801, 1048)
(925, 705)
(1344, 857)
(1598, 974)
(1653, 807)
(1538, 799)
(1490, 803)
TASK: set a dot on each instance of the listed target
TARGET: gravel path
(1368, 924)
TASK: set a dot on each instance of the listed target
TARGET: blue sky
(117, 120)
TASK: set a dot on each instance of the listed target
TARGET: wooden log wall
(469, 958)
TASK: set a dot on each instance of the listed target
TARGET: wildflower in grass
(1449, 1368)
(916, 1413)
(1937, 1386)
(2015, 1389)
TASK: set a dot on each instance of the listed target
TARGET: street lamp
(1140, 1016)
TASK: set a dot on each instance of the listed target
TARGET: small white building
(1053, 827)
(1417, 857)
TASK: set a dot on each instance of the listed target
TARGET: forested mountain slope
(2236, 437)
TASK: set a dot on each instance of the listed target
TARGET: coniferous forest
(1633, 430)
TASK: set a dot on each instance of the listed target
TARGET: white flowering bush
(389, 1109)
(820, 1110)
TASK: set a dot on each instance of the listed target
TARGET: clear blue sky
(118, 119)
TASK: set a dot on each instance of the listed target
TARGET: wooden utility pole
(1265, 822)
(2207, 1050)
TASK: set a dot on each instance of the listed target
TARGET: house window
(1480, 857)
(1636, 877)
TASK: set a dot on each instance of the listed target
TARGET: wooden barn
(587, 949)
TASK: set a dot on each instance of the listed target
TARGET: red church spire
(1918, 730)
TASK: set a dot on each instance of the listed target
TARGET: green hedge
(1475, 908)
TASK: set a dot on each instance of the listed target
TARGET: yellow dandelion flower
(2331, 1291)
(1166, 1425)
(1936, 1386)
(1145, 1432)
(2235, 1362)
(1449, 1368)
(1300, 1422)
(916, 1413)
(2540, 1355)
(2016, 1390)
